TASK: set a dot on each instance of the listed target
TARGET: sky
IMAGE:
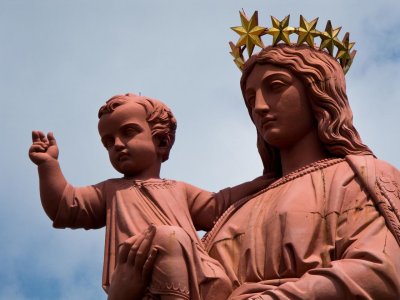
(60, 60)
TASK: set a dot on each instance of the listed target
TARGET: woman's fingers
(131, 258)
(143, 251)
(124, 248)
(141, 248)
(149, 264)
(135, 250)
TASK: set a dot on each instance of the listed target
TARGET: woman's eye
(276, 85)
(250, 100)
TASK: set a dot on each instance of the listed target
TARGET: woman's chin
(275, 139)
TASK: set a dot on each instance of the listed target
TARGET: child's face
(127, 137)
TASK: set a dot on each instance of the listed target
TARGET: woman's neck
(306, 151)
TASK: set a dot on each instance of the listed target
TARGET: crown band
(250, 36)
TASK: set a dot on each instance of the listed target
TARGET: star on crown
(250, 36)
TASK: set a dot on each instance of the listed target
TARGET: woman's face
(279, 106)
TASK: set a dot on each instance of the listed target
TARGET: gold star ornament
(307, 31)
(237, 53)
(249, 32)
(329, 38)
(250, 36)
(280, 30)
(344, 55)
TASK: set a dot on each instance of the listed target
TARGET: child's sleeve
(82, 207)
(206, 207)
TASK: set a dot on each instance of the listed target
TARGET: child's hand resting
(43, 148)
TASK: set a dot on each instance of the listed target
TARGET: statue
(328, 226)
(322, 223)
(151, 239)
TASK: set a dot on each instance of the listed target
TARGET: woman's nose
(260, 103)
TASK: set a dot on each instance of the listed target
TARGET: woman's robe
(314, 234)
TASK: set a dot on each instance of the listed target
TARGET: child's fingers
(40, 143)
(51, 138)
(43, 138)
(37, 148)
(41, 135)
(35, 136)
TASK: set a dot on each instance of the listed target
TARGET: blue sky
(60, 60)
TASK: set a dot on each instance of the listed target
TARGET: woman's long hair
(323, 79)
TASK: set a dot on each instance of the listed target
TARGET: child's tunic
(127, 207)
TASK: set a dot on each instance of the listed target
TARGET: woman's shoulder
(382, 182)
(373, 171)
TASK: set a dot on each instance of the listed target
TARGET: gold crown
(250, 36)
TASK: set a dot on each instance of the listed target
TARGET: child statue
(150, 222)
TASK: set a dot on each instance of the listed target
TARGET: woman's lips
(267, 121)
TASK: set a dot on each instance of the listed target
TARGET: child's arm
(44, 153)
(206, 207)
(248, 188)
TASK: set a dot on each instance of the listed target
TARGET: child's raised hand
(43, 148)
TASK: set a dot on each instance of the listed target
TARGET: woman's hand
(134, 267)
